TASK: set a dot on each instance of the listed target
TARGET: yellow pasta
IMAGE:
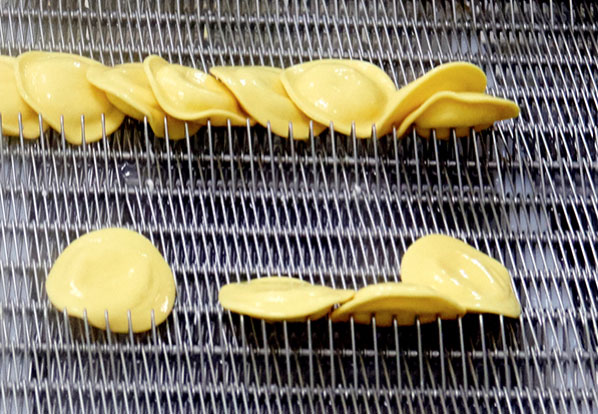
(128, 88)
(350, 95)
(454, 76)
(462, 273)
(460, 111)
(261, 93)
(115, 271)
(192, 95)
(401, 301)
(11, 104)
(341, 92)
(281, 299)
(55, 85)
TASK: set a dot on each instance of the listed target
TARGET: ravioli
(454, 76)
(192, 95)
(341, 92)
(260, 92)
(115, 271)
(128, 88)
(281, 299)
(11, 104)
(467, 276)
(401, 301)
(55, 85)
(461, 111)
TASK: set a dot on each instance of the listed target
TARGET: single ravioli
(260, 92)
(454, 76)
(281, 299)
(192, 95)
(12, 104)
(113, 270)
(128, 88)
(401, 301)
(55, 85)
(341, 92)
(460, 111)
(473, 279)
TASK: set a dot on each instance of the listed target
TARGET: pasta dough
(341, 92)
(442, 277)
(461, 111)
(128, 88)
(12, 104)
(113, 270)
(190, 94)
(55, 85)
(281, 299)
(454, 76)
(461, 272)
(350, 95)
(261, 93)
(401, 301)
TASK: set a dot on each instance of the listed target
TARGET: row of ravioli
(116, 279)
(441, 277)
(88, 100)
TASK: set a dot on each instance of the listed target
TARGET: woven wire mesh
(233, 203)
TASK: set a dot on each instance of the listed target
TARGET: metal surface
(230, 204)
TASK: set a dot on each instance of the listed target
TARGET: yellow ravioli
(113, 270)
(454, 76)
(461, 111)
(12, 104)
(260, 92)
(341, 92)
(191, 94)
(461, 272)
(128, 88)
(281, 299)
(55, 85)
(401, 301)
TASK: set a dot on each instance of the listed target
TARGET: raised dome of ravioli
(128, 88)
(260, 92)
(116, 271)
(401, 301)
(341, 92)
(461, 272)
(191, 94)
(12, 104)
(281, 299)
(460, 111)
(55, 85)
(453, 76)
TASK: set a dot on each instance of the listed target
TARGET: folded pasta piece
(128, 88)
(55, 85)
(11, 104)
(454, 76)
(341, 92)
(462, 273)
(260, 92)
(105, 274)
(460, 111)
(192, 95)
(281, 299)
(401, 301)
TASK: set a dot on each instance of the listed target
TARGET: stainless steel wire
(233, 203)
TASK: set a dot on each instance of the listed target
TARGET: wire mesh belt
(233, 203)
